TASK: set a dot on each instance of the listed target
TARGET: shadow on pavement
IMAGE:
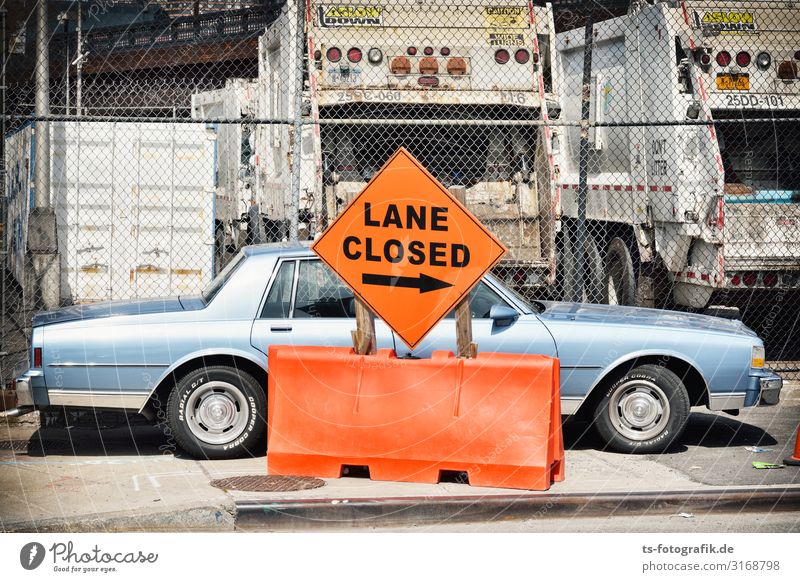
(702, 430)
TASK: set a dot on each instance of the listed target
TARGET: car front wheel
(644, 411)
(218, 412)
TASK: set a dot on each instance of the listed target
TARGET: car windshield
(525, 303)
(219, 281)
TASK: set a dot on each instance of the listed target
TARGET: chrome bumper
(31, 391)
(771, 385)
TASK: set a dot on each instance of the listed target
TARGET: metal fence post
(583, 167)
(294, 216)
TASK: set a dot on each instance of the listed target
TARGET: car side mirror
(502, 315)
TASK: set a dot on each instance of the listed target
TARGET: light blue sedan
(200, 362)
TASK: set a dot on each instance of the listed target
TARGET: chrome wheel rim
(639, 410)
(216, 413)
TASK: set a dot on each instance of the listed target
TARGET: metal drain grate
(272, 483)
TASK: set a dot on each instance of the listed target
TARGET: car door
(306, 304)
(524, 335)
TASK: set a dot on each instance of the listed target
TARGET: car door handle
(281, 328)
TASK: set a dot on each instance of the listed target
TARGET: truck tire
(620, 276)
(218, 412)
(643, 412)
(594, 284)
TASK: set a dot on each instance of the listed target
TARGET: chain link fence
(629, 153)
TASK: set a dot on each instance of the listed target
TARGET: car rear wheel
(644, 411)
(620, 276)
(218, 412)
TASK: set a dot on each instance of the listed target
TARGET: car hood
(116, 308)
(591, 313)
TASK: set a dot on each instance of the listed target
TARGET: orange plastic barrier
(795, 458)
(496, 417)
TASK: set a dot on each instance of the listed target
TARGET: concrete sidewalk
(135, 479)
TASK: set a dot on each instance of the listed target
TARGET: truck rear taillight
(428, 66)
(456, 66)
(750, 278)
(444, 51)
(763, 60)
(522, 56)
(501, 56)
(37, 357)
(333, 54)
(723, 58)
(787, 70)
(400, 66)
(736, 280)
(428, 51)
(770, 279)
(411, 51)
(429, 81)
(743, 58)
(354, 55)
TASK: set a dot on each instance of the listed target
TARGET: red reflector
(736, 280)
(750, 279)
(428, 66)
(690, 275)
(456, 66)
(428, 81)
(770, 279)
(333, 54)
(317, 55)
(705, 59)
(444, 51)
(522, 56)
(520, 277)
(345, 168)
(37, 357)
(501, 57)
(400, 66)
(412, 50)
(743, 59)
(723, 58)
(354, 55)
(428, 50)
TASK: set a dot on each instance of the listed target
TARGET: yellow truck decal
(725, 22)
(335, 16)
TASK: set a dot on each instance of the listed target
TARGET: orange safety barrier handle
(496, 417)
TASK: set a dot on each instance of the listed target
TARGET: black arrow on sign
(424, 282)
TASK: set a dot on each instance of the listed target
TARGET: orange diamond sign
(407, 248)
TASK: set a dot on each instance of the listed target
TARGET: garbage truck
(694, 180)
(463, 87)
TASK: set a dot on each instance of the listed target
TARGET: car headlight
(757, 360)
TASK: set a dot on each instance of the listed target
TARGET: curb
(320, 514)
(187, 519)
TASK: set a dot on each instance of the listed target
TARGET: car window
(279, 299)
(321, 294)
(481, 299)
